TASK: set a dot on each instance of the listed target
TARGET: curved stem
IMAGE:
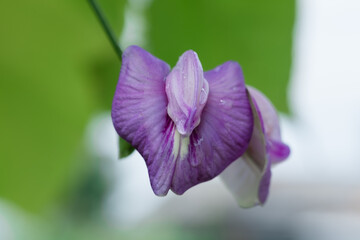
(104, 23)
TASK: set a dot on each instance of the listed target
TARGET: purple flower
(188, 125)
(248, 178)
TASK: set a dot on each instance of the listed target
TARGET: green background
(57, 70)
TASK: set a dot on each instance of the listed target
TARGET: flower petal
(268, 113)
(223, 133)
(139, 113)
(187, 92)
(248, 178)
(277, 150)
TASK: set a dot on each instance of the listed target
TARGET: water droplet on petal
(198, 142)
(226, 103)
(203, 96)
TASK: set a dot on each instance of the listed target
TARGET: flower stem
(104, 23)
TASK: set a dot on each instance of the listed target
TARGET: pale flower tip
(160, 192)
(192, 56)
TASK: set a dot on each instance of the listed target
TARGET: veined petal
(223, 133)
(187, 92)
(248, 178)
(139, 114)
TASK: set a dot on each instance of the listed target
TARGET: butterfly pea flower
(188, 125)
(248, 178)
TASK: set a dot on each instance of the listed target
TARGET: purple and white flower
(190, 125)
(248, 178)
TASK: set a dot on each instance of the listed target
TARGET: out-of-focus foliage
(256, 33)
(53, 76)
(84, 199)
(125, 148)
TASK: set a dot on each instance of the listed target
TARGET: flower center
(187, 91)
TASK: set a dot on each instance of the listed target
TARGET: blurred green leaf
(48, 92)
(84, 200)
(105, 70)
(125, 148)
(114, 12)
(256, 33)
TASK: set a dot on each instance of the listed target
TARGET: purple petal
(187, 92)
(223, 133)
(248, 178)
(139, 113)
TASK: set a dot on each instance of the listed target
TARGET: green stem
(106, 26)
